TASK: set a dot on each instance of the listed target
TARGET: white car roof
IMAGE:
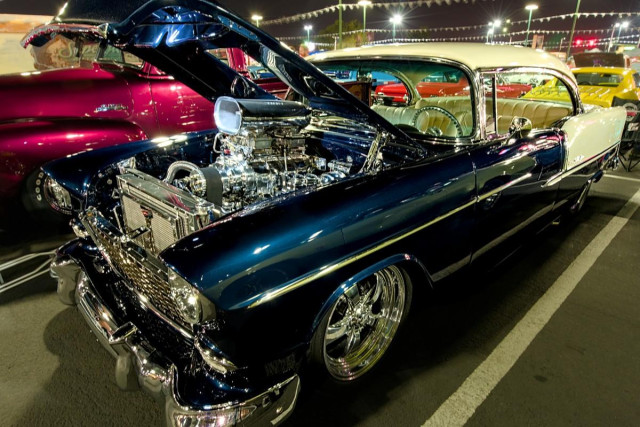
(473, 55)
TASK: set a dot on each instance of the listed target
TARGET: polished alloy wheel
(362, 323)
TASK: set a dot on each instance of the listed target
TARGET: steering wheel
(446, 113)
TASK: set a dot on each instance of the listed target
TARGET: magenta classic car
(86, 95)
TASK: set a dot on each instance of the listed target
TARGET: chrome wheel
(362, 323)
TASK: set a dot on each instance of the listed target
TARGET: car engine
(260, 152)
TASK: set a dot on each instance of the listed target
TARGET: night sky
(479, 12)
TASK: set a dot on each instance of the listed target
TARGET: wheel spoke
(352, 341)
(336, 331)
(375, 292)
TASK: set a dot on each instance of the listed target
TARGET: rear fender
(28, 144)
(585, 139)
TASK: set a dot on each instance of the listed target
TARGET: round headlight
(186, 297)
(57, 196)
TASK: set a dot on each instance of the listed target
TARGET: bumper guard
(139, 364)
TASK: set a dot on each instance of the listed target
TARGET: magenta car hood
(176, 36)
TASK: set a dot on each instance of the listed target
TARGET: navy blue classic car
(217, 265)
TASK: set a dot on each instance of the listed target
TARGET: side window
(636, 79)
(541, 98)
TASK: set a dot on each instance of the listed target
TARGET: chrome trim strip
(560, 176)
(268, 296)
(504, 187)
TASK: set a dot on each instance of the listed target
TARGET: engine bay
(255, 156)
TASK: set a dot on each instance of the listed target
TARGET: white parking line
(622, 177)
(462, 404)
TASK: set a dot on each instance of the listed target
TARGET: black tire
(373, 311)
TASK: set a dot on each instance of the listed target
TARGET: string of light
(477, 37)
(600, 41)
(429, 3)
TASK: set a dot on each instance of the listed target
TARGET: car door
(513, 165)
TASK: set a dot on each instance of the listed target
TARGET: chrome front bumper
(139, 364)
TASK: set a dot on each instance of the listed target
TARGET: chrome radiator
(157, 214)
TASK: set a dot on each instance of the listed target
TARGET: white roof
(473, 55)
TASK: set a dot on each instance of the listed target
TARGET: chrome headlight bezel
(57, 196)
(193, 307)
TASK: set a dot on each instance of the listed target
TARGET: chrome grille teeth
(147, 284)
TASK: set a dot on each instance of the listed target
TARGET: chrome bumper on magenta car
(139, 364)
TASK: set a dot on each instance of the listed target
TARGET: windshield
(74, 51)
(422, 98)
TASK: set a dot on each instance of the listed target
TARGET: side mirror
(520, 125)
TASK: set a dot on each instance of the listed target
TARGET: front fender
(361, 275)
(28, 144)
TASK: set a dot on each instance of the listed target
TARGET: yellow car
(603, 86)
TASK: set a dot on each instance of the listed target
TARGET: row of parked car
(219, 264)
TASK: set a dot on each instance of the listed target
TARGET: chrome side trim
(268, 296)
(560, 176)
(504, 187)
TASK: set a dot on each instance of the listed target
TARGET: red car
(84, 96)
(446, 84)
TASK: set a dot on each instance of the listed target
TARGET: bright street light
(308, 29)
(395, 20)
(530, 8)
(364, 4)
(625, 24)
(256, 18)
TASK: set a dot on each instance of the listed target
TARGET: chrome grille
(151, 287)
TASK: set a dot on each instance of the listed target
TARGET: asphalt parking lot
(549, 337)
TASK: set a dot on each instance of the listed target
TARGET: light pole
(364, 4)
(613, 30)
(530, 8)
(493, 26)
(496, 27)
(308, 29)
(395, 20)
(340, 24)
(573, 27)
(625, 24)
(256, 18)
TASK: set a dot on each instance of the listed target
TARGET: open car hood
(176, 35)
(599, 59)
